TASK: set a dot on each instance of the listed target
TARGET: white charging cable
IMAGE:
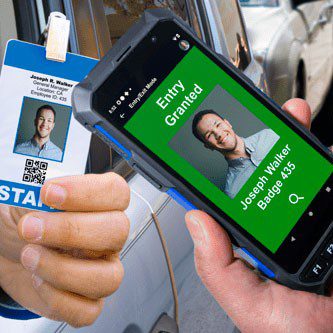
(166, 253)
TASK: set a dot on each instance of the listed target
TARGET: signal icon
(176, 37)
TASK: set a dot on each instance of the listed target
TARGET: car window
(195, 21)
(228, 15)
(121, 14)
(7, 26)
(259, 3)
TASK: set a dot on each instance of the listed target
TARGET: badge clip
(57, 36)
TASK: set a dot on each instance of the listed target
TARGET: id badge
(40, 139)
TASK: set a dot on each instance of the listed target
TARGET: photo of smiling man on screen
(243, 155)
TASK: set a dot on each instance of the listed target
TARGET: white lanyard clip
(57, 31)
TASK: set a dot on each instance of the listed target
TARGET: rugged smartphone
(196, 127)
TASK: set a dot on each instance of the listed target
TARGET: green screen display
(229, 146)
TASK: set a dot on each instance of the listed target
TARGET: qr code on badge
(35, 171)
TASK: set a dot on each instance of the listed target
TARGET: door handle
(316, 25)
(322, 20)
(165, 324)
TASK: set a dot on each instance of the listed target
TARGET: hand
(61, 265)
(253, 304)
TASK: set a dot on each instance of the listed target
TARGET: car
(147, 300)
(293, 40)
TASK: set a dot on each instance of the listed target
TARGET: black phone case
(152, 171)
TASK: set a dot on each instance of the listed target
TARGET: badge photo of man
(243, 155)
(40, 145)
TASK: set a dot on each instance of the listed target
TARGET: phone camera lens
(154, 39)
(184, 45)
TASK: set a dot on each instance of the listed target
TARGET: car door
(231, 39)
(319, 47)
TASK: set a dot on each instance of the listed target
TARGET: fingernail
(198, 232)
(32, 228)
(55, 195)
(30, 258)
(36, 281)
(291, 107)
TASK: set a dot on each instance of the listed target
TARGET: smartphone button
(258, 264)
(108, 138)
(317, 270)
(174, 194)
(328, 251)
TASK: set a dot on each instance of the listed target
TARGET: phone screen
(187, 110)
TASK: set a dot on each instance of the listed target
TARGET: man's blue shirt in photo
(240, 169)
(49, 150)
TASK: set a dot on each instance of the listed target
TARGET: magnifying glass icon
(294, 198)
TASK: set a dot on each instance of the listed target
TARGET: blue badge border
(26, 188)
(32, 57)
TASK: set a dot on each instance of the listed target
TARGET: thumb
(212, 248)
(232, 283)
(300, 110)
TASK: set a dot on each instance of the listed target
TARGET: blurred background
(284, 46)
(293, 41)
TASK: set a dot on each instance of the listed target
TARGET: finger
(90, 278)
(87, 193)
(76, 310)
(235, 287)
(300, 110)
(90, 231)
